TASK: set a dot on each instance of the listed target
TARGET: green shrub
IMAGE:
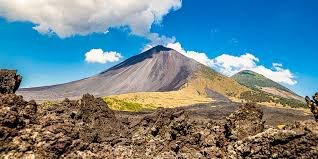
(260, 96)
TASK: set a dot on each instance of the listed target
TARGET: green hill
(254, 80)
(265, 90)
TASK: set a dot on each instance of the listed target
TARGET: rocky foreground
(87, 128)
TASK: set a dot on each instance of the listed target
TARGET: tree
(313, 105)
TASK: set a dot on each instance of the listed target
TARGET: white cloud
(82, 17)
(198, 56)
(277, 65)
(99, 56)
(229, 65)
(156, 39)
(279, 74)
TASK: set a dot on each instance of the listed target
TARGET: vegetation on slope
(263, 97)
(255, 81)
(208, 78)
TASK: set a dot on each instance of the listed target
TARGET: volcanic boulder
(246, 121)
(173, 133)
(15, 115)
(99, 122)
(9, 81)
(296, 141)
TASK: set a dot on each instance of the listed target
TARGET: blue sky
(272, 31)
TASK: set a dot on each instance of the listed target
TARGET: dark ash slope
(158, 69)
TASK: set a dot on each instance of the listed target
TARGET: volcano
(156, 70)
(164, 77)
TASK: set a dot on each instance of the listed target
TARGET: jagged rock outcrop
(15, 115)
(313, 105)
(170, 133)
(99, 122)
(248, 139)
(247, 121)
(251, 140)
(9, 81)
(296, 141)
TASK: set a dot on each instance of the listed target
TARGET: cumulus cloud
(279, 74)
(99, 56)
(156, 39)
(198, 56)
(277, 65)
(82, 17)
(229, 65)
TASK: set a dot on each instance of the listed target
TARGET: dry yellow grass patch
(207, 78)
(183, 97)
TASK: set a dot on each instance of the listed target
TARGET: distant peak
(247, 72)
(159, 48)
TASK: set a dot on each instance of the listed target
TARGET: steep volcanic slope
(156, 70)
(256, 81)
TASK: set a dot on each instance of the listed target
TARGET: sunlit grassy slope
(193, 92)
(208, 78)
(151, 100)
(127, 105)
